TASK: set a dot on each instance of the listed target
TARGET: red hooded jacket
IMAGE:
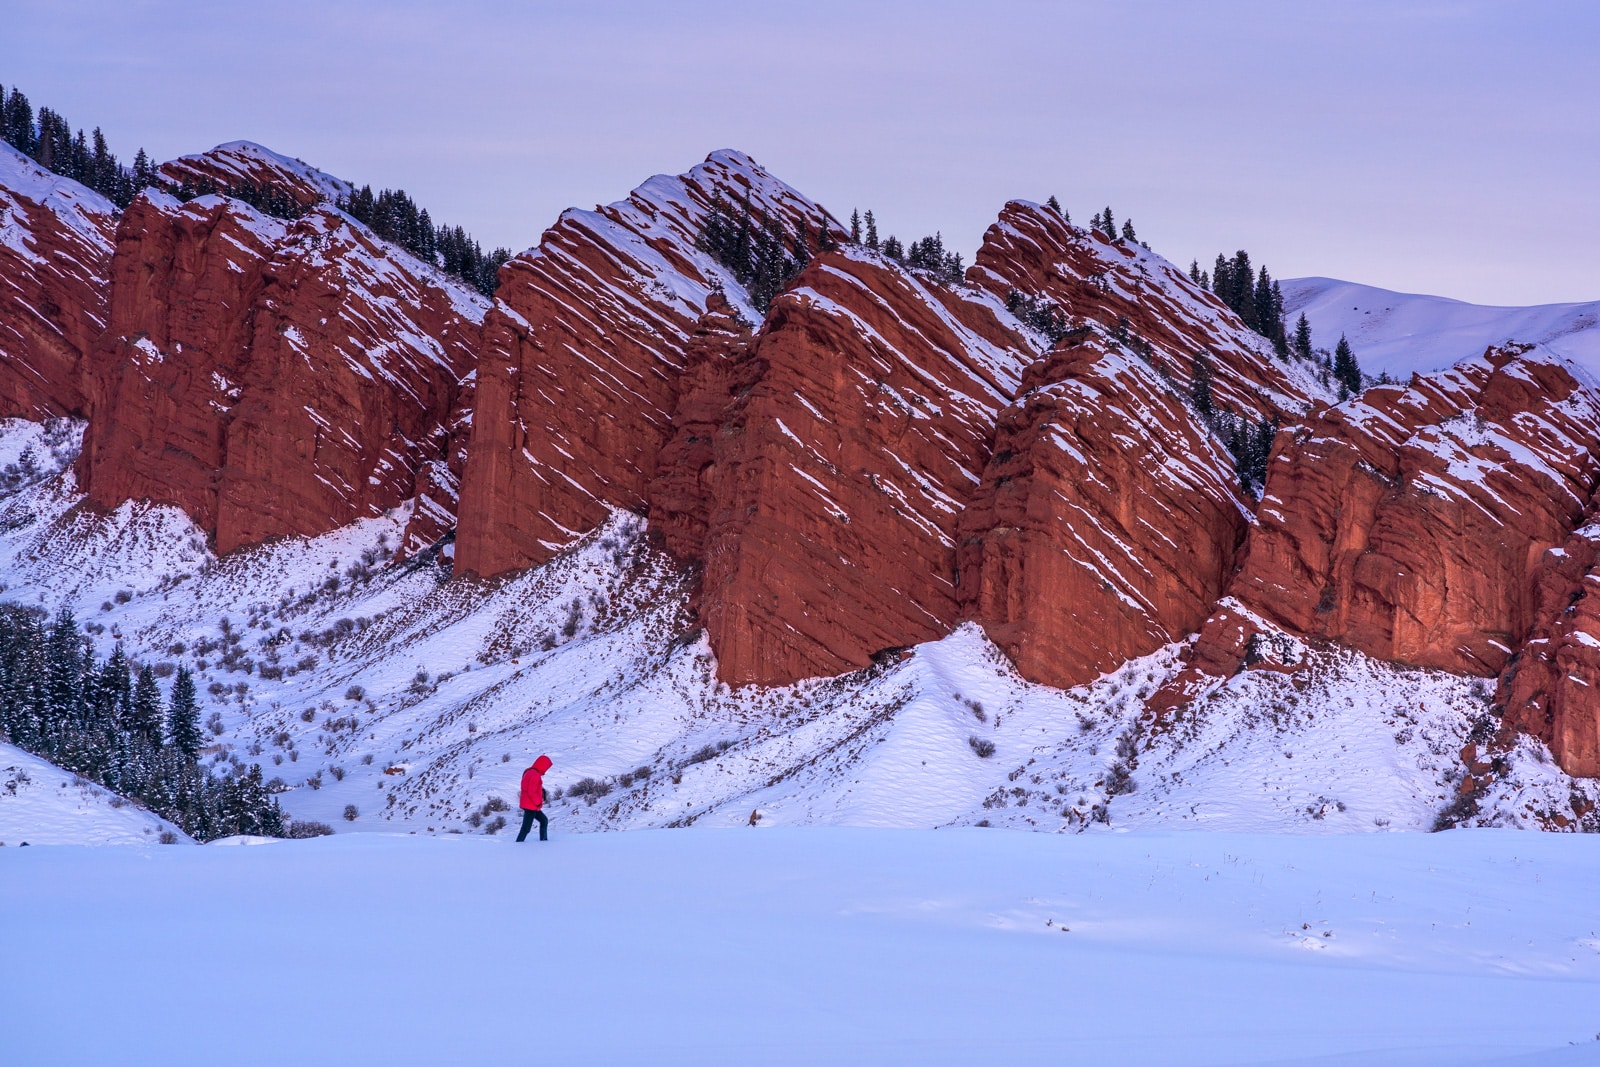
(533, 784)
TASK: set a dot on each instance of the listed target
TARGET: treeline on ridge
(49, 140)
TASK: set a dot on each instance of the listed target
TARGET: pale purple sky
(1439, 146)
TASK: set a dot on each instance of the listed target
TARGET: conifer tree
(1302, 337)
(1127, 231)
(1055, 205)
(1110, 223)
(1346, 371)
(183, 716)
(872, 231)
(1200, 389)
(855, 226)
(144, 715)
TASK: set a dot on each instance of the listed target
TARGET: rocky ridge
(882, 455)
(55, 252)
(274, 377)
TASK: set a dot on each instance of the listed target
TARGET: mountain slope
(1404, 333)
(41, 804)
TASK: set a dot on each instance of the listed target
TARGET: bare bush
(981, 745)
(351, 813)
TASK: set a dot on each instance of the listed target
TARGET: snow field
(814, 945)
(41, 804)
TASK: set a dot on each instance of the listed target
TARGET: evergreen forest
(109, 723)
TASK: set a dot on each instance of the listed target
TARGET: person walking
(533, 799)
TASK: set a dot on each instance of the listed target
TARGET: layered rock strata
(578, 376)
(1107, 521)
(858, 424)
(55, 256)
(271, 377)
(1409, 523)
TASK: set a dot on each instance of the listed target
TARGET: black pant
(527, 824)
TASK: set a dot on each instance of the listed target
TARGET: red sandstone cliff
(270, 377)
(856, 425)
(1408, 523)
(55, 256)
(1107, 521)
(577, 377)
(1139, 298)
(1550, 688)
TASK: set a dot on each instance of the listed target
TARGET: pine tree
(1055, 205)
(144, 715)
(1110, 224)
(1346, 371)
(1200, 388)
(1302, 337)
(183, 716)
(872, 231)
(855, 226)
(1127, 231)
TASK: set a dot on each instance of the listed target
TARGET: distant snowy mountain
(1406, 333)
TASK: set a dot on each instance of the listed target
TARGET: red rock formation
(271, 378)
(1550, 689)
(854, 429)
(55, 255)
(577, 379)
(244, 163)
(1107, 521)
(1409, 523)
(1138, 297)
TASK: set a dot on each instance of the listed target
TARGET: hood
(542, 764)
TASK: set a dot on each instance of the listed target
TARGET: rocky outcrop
(1409, 523)
(1107, 521)
(272, 377)
(1549, 689)
(245, 164)
(855, 428)
(582, 354)
(55, 257)
(1144, 303)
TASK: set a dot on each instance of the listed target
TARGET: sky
(1436, 146)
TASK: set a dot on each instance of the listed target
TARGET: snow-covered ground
(41, 804)
(815, 945)
(1402, 333)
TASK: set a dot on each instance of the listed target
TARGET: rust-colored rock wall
(271, 378)
(577, 380)
(1137, 296)
(1107, 522)
(167, 373)
(1550, 689)
(839, 473)
(1408, 523)
(55, 256)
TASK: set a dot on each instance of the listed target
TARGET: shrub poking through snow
(308, 828)
(981, 745)
(351, 813)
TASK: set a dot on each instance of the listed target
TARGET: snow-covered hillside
(828, 945)
(1403, 333)
(41, 804)
(358, 683)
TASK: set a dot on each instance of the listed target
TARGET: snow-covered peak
(246, 161)
(1405, 333)
(24, 182)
